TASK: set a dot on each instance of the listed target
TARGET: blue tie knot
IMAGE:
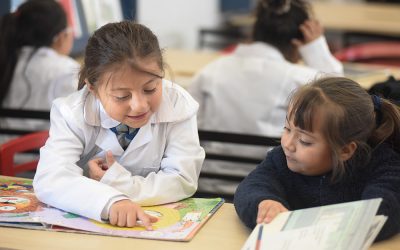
(125, 134)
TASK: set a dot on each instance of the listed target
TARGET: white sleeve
(179, 170)
(316, 55)
(59, 181)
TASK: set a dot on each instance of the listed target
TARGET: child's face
(306, 152)
(131, 96)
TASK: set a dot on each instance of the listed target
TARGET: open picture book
(177, 221)
(351, 225)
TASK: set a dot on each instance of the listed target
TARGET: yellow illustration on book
(178, 221)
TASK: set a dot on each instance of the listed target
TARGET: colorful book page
(178, 221)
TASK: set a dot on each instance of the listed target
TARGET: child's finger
(271, 214)
(262, 212)
(131, 220)
(145, 219)
(153, 219)
(121, 219)
(109, 158)
(113, 217)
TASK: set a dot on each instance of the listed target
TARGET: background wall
(177, 22)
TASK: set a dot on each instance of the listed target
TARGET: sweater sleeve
(385, 183)
(263, 183)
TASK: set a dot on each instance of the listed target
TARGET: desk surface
(185, 64)
(371, 18)
(223, 231)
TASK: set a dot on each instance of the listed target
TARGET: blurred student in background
(245, 92)
(34, 65)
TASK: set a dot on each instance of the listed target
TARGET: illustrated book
(178, 221)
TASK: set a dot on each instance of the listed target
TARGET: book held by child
(352, 225)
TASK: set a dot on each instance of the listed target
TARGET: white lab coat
(161, 164)
(246, 92)
(37, 82)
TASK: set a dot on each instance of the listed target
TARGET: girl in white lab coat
(245, 92)
(87, 166)
(34, 67)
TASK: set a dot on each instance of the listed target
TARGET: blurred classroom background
(216, 24)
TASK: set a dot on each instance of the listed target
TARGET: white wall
(177, 22)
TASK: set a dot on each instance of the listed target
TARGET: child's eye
(305, 143)
(121, 98)
(286, 129)
(150, 91)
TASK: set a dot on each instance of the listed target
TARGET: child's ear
(90, 87)
(348, 150)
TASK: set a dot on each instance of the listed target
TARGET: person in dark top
(339, 144)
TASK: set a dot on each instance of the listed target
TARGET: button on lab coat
(161, 164)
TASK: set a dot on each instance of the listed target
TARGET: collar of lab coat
(259, 49)
(176, 105)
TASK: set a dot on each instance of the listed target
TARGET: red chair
(385, 53)
(18, 145)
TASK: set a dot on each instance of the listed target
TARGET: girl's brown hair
(349, 116)
(277, 23)
(115, 44)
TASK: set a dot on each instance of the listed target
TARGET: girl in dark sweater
(339, 144)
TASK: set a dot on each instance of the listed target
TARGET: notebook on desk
(178, 221)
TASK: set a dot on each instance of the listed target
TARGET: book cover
(178, 221)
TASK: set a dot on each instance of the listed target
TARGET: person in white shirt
(245, 92)
(127, 138)
(34, 64)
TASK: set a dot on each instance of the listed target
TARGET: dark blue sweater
(273, 180)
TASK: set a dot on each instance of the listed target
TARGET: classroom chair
(385, 53)
(22, 114)
(229, 138)
(8, 150)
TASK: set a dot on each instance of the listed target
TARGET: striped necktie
(124, 134)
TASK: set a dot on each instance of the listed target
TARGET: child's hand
(98, 167)
(311, 30)
(269, 209)
(125, 213)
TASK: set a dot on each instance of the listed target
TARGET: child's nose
(139, 103)
(289, 144)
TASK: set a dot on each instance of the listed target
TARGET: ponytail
(8, 53)
(388, 125)
(34, 24)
